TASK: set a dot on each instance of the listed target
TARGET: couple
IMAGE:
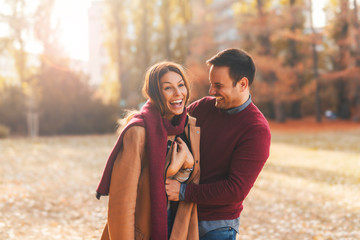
(156, 191)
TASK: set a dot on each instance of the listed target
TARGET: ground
(309, 188)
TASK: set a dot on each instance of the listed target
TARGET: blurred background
(71, 67)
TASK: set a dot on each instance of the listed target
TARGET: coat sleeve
(124, 184)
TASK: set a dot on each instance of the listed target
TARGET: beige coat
(129, 196)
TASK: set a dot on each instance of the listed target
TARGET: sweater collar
(238, 109)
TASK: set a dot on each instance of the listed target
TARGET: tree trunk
(118, 44)
(279, 111)
(343, 108)
(344, 33)
(165, 16)
(292, 43)
(264, 38)
(293, 59)
(357, 34)
(186, 11)
(32, 116)
(144, 37)
(315, 69)
(344, 103)
(296, 109)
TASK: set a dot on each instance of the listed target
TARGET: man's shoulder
(256, 118)
(205, 102)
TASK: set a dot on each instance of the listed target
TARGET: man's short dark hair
(239, 62)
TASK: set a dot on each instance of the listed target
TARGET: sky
(72, 15)
(318, 13)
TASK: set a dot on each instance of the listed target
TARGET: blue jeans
(225, 233)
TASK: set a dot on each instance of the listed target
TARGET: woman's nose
(177, 92)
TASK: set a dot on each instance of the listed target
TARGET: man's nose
(212, 91)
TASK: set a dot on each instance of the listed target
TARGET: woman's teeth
(176, 102)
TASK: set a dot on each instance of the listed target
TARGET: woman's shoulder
(191, 120)
(134, 133)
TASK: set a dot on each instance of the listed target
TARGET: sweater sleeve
(200, 108)
(248, 159)
(124, 183)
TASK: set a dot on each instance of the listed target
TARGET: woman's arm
(124, 183)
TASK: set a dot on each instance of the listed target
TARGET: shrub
(12, 109)
(4, 131)
(68, 106)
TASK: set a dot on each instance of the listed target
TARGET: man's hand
(172, 189)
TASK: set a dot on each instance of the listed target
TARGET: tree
(356, 27)
(47, 34)
(18, 21)
(276, 82)
(152, 31)
(341, 58)
(116, 27)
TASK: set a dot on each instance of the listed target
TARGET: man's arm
(247, 162)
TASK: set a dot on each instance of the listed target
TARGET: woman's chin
(177, 110)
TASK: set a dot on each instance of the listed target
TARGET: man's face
(222, 88)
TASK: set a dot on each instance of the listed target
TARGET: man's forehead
(219, 77)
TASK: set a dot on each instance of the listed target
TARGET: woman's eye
(181, 85)
(167, 88)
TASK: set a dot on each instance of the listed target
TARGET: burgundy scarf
(157, 129)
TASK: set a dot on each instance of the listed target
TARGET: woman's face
(174, 92)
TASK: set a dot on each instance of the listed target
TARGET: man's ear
(243, 83)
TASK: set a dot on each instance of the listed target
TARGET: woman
(145, 154)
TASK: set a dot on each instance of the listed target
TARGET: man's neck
(239, 108)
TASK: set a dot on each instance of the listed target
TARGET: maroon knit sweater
(233, 150)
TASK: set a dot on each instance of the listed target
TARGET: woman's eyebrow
(170, 82)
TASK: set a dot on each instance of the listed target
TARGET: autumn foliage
(302, 70)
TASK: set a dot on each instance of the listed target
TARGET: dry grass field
(309, 189)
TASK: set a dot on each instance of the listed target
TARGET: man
(234, 146)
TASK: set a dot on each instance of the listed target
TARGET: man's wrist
(182, 192)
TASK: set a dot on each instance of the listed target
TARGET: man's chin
(219, 105)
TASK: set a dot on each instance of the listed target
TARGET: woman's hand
(181, 157)
(189, 159)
